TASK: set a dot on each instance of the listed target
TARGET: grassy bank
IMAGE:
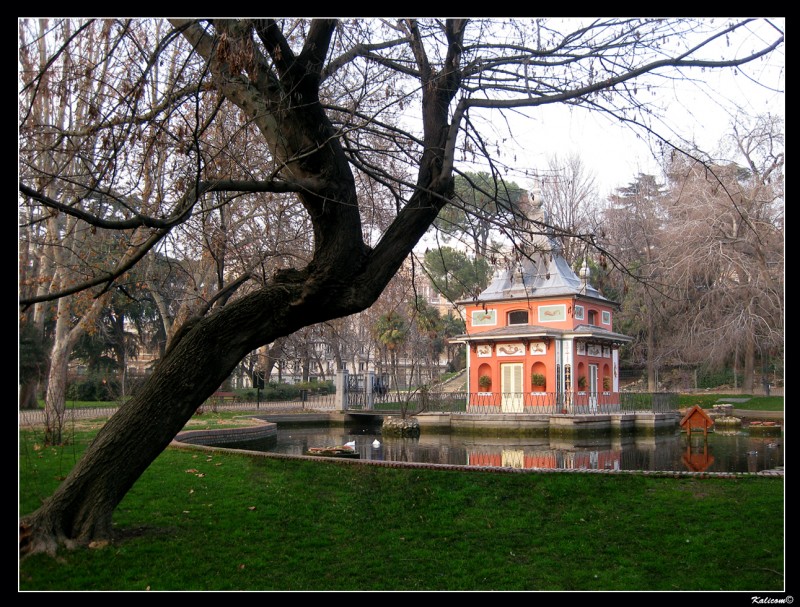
(226, 521)
(753, 403)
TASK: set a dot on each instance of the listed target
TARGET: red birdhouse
(695, 419)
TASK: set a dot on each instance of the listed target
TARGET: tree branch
(108, 278)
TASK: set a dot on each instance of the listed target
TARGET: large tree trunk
(204, 353)
(345, 276)
(81, 508)
(55, 395)
(64, 342)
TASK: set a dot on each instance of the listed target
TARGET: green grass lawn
(754, 403)
(200, 520)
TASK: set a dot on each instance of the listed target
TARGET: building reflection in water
(736, 452)
(560, 458)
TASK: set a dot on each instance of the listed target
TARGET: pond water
(721, 451)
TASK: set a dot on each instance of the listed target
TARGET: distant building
(540, 334)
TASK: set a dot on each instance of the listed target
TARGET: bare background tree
(724, 242)
(288, 166)
(706, 249)
(569, 193)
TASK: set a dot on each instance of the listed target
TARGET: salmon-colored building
(540, 338)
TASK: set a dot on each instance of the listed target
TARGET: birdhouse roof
(695, 414)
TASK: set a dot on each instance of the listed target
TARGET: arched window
(518, 317)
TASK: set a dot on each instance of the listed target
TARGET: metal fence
(308, 402)
(421, 401)
(551, 403)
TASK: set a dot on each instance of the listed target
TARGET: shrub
(317, 387)
(281, 392)
(537, 379)
(94, 388)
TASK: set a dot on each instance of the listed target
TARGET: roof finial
(584, 272)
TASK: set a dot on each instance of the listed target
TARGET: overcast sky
(700, 112)
(697, 112)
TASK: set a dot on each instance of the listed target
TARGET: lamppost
(258, 382)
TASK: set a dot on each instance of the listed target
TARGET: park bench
(224, 396)
(216, 399)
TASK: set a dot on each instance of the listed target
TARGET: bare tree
(306, 91)
(69, 248)
(569, 195)
(708, 249)
(724, 243)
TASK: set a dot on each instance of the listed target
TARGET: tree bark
(81, 508)
(749, 364)
(55, 394)
(652, 382)
(27, 395)
(63, 343)
(344, 276)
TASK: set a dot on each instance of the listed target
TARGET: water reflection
(720, 452)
